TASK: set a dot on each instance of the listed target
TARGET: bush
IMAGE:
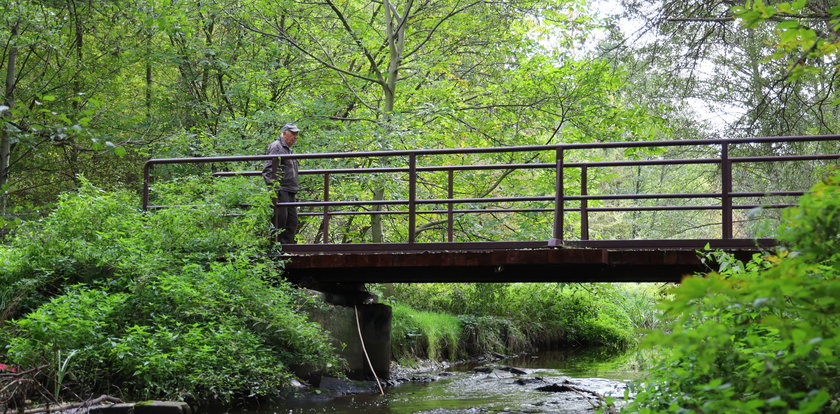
(484, 335)
(180, 303)
(762, 336)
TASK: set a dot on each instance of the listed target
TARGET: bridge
(584, 212)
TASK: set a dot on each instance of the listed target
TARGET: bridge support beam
(337, 311)
(576, 261)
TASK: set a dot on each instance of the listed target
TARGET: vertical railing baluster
(450, 219)
(584, 204)
(326, 238)
(726, 192)
(558, 200)
(146, 184)
(412, 196)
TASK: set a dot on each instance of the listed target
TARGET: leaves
(759, 337)
(798, 40)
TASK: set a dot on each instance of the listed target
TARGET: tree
(419, 69)
(53, 76)
(707, 57)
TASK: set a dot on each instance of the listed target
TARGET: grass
(422, 334)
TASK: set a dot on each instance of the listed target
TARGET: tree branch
(286, 38)
(352, 33)
(439, 23)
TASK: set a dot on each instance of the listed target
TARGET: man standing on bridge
(286, 184)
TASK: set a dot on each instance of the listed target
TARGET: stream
(547, 382)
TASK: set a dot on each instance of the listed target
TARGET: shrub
(761, 336)
(179, 303)
(484, 335)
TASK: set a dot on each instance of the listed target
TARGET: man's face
(290, 137)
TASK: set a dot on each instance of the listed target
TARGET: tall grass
(420, 334)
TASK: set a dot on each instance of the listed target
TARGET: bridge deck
(505, 262)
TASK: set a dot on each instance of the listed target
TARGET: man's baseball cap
(290, 127)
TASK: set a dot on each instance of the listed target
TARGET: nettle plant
(762, 336)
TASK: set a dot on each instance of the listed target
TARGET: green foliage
(802, 43)
(524, 315)
(757, 337)
(93, 236)
(443, 336)
(179, 303)
(218, 78)
(811, 228)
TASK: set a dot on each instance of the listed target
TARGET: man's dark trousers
(287, 217)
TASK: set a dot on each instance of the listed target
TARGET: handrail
(533, 165)
(489, 150)
(727, 195)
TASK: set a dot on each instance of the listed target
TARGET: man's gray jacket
(288, 168)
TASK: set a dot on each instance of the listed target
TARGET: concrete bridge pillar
(337, 312)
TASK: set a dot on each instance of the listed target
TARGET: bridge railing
(566, 164)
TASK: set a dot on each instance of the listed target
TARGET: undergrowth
(180, 303)
(425, 335)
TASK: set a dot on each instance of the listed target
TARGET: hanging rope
(359, 328)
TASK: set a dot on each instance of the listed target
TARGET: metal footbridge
(582, 212)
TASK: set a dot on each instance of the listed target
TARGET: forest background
(93, 89)
(96, 88)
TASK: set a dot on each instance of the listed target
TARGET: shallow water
(584, 363)
(492, 388)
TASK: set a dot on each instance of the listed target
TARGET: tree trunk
(395, 38)
(376, 219)
(149, 78)
(8, 102)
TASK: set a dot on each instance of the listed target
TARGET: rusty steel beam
(508, 265)
(580, 261)
(490, 150)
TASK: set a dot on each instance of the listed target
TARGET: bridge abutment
(337, 312)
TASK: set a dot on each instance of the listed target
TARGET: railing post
(450, 216)
(557, 238)
(326, 238)
(584, 204)
(726, 192)
(412, 196)
(146, 183)
(275, 163)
